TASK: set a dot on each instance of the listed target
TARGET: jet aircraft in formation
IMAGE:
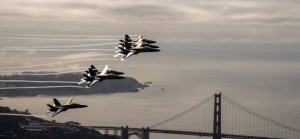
(93, 75)
(57, 108)
(128, 47)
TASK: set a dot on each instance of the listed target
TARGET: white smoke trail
(50, 71)
(68, 46)
(97, 36)
(38, 87)
(26, 115)
(35, 49)
(30, 81)
(64, 39)
(53, 70)
(65, 57)
(40, 74)
(57, 63)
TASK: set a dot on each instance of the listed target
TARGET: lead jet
(94, 76)
(127, 50)
(57, 108)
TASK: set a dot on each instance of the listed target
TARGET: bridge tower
(217, 117)
(124, 132)
(145, 133)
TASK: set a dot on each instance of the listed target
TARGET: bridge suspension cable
(183, 113)
(237, 121)
(247, 122)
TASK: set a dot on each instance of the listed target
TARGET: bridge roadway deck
(191, 133)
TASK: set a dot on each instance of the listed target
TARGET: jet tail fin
(104, 70)
(92, 72)
(141, 37)
(56, 102)
(70, 101)
(127, 38)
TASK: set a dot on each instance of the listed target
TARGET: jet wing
(139, 45)
(57, 112)
(70, 101)
(139, 41)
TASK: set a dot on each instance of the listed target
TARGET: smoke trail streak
(41, 74)
(32, 49)
(97, 36)
(68, 46)
(30, 81)
(26, 115)
(44, 70)
(52, 70)
(57, 63)
(39, 87)
(64, 57)
(36, 38)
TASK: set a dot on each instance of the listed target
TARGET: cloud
(205, 21)
(190, 11)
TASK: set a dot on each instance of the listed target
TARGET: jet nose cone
(84, 106)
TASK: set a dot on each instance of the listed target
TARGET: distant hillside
(107, 86)
(17, 127)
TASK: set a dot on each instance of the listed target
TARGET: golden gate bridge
(217, 117)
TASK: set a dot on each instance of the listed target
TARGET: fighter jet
(140, 39)
(91, 72)
(94, 76)
(57, 108)
(127, 50)
(140, 42)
